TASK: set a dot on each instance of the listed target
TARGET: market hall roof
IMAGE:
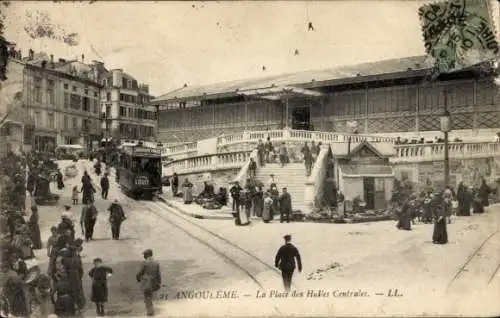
(386, 69)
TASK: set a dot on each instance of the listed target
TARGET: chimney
(52, 60)
(62, 60)
(185, 85)
(44, 64)
(31, 54)
(83, 58)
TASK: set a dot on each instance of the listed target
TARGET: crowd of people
(430, 207)
(27, 290)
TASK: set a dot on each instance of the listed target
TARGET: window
(86, 104)
(74, 88)
(66, 123)
(66, 100)
(86, 91)
(95, 103)
(96, 94)
(51, 121)
(76, 101)
(108, 97)
(130, 113)
(75, 123)
(38, 119)
(50, 92)
(66, 85)
(85, 125)
(123, 111)
(37, 89)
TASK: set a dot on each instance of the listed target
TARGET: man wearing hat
(149, 277)
(285, 261)
(116, 217)
(285, 201)
(66, 226)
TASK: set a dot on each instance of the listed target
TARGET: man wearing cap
(285, 261)
(149, 277)
(285, 201)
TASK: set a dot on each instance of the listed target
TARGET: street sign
(458, 33)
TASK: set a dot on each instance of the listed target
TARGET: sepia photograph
(336, 158)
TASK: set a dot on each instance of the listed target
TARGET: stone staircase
(292, 176)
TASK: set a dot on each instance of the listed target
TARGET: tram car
(139, 171)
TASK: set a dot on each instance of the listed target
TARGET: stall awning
(278, 92)
(354, 171)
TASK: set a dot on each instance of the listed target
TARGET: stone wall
(219, 179)
(470, 171)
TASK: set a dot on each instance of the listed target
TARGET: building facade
(60, 101)
(389, 97)
(126, 109)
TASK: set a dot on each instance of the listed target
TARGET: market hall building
(390, 97)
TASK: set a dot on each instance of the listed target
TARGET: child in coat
(99, 291)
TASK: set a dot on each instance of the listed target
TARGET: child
(52, 240)
(74, 196)
(99, 291)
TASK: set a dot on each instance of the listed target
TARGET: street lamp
(446, 128)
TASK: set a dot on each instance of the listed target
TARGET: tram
(139, 171)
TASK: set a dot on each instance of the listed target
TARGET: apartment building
(126, 109)
(61, 101)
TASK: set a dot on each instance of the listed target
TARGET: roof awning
(278, 92)
(355, 171)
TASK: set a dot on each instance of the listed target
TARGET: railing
(314, 184)
(297, 135)
(412, 153)
(408, 153)
(213, 162)
(190, 149)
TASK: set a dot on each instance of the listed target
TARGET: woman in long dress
(464, 199)
(187, 191)
(440, 234)
(34, 228)
(99, 291)
(59, 178)
(268, 205)
(258, 202)
(404, 221)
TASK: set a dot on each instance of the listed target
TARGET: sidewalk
(194, 210)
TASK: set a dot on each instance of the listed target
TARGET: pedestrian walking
(149, 277)
(187, 191)
(116, 218)
(252, 169)
(99, 289)
(283, 154)
(88, 219)
(258, 202)
(74, 271)
(34, 228)
(285, 206)
(484, 193)
(268, 150)
(268, 206)
(440, 233)
(88, 191)
(261, 152)
(104, 186)
(285, 261)
(30, 184)
(175, 184)
(464, 198)
(308, 159)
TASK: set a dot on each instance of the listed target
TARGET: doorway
(369, 191)
(301, 118)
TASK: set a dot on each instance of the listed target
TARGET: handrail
(407, 153)
(275, 135)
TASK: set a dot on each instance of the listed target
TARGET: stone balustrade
(413, 153)
(242, 139)
(206, 163)
(408, 153)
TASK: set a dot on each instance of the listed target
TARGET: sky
(169, 44)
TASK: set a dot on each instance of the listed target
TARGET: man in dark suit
(285, 261)
(150, 278)
(285, 201)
